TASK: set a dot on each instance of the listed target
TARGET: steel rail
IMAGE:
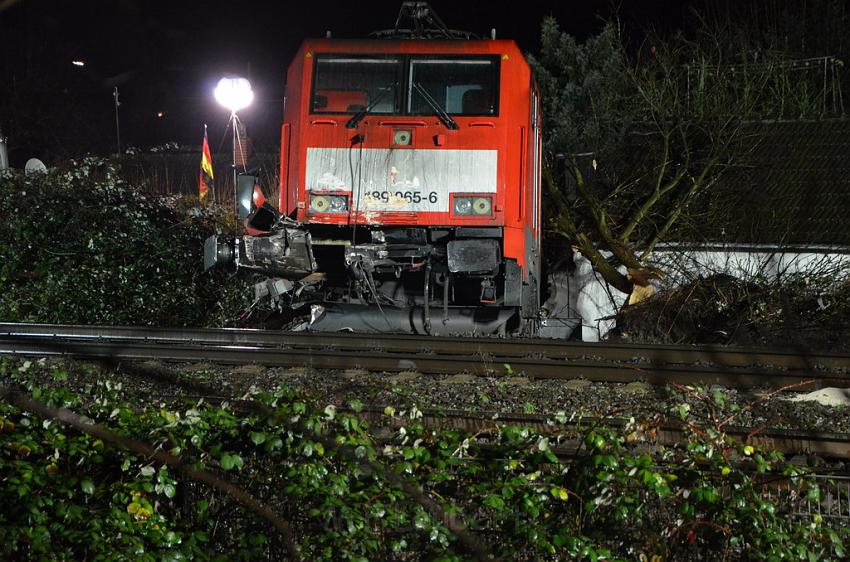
(171, 348)
(789, 358)
(824, 444)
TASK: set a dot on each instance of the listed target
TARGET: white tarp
(410, 180)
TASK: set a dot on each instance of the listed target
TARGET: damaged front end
(379, 279)
(286, 253)
(274, 246)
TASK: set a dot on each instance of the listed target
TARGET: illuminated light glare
(78, 63)
(234, 93)
(160, 114)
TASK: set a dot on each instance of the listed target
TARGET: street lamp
(234, 94)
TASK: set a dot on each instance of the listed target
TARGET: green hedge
(80, 245)
(352, 490)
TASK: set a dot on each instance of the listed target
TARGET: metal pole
(4, 154)
(235, 171)
(117, 126)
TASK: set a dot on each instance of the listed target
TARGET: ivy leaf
(87, 486)
(229, 461)
(813, 493)
(203, 505)
(421, 521)
(495, 501)
(258, 437)
(719, 398)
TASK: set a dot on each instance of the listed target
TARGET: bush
(808, 312)
(335, 476)
(80, 245)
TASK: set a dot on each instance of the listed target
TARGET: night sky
(166, 56)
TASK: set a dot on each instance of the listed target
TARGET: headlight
(482, 205)
(337, 204)
(328, 203)
(463, 205)
(402, 137)
(478, 206)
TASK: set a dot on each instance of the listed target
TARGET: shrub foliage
(394, 489)
(80, 245)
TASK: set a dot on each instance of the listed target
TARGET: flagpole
(117, 124)
(206, 175)
(202, 160)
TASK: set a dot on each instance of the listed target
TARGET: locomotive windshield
(350, 85)
(460, 87)
(360, 84)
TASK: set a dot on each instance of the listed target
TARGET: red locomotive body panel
(490, 159)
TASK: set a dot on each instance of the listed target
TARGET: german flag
(205, 177)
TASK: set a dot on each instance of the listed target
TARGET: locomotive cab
(409, 189)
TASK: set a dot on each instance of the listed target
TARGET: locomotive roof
(412, 46)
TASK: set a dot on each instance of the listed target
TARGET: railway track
(792, 442)
(540, 359)
(533, 358)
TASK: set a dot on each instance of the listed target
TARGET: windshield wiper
(441, 113)
(357, 117)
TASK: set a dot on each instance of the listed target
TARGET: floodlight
(78, 63)
(234, 93)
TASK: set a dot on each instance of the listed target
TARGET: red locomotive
(410, 187)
